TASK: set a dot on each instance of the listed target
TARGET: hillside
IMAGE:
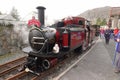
(102, 12)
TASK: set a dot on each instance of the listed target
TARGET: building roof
(7, 17)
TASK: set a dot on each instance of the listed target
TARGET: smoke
(22, 32)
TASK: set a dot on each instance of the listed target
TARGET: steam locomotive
(50, 44)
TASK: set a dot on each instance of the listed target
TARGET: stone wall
(10, 41)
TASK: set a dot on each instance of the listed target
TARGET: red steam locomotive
(49, 44)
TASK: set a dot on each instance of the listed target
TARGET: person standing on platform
(115, 32)
(117, 50)
(101, 33)
(107, 34)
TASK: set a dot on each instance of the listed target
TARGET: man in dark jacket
(107, 34)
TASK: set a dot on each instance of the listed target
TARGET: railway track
(12, 73)
(11, 67)
(29, 76)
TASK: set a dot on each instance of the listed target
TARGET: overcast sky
(55, 9)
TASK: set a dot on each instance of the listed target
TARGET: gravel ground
(11, 56)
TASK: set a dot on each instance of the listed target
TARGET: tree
(103, 22)
(14, 13)
(98, 22)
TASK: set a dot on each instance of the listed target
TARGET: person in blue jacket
(117, 53)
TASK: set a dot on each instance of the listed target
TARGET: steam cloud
(22, 32)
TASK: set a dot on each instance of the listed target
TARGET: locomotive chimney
(41, 14)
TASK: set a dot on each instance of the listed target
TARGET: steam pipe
(41, 14)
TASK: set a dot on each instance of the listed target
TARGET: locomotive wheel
(46, 64)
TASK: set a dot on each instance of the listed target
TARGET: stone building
(115, 16)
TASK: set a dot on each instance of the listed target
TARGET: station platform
(95, 65)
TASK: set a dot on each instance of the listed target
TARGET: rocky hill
(102, 12)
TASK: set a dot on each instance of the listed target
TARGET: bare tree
(14, 13)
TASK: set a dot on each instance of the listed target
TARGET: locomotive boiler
(49, 44)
